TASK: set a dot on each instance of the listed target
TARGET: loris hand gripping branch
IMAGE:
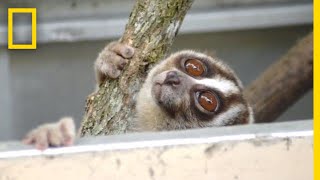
(186, 90)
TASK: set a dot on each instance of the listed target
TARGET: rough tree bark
(151, 28)
(283, 83)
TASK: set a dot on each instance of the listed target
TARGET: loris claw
(112, 60)
(61, 133)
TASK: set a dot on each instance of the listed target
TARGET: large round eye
(208, 100)
(194, 67)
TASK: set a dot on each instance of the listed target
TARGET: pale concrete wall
(278, 151)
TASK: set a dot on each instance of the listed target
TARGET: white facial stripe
(223, 118)
(225, 86)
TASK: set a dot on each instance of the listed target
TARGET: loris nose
(172, 78)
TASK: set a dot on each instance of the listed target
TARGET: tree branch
(283, 83)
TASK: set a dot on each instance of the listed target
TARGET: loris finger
(123, 50)
(110, 64)
(41, 139)
(68, 130)
(29, 138)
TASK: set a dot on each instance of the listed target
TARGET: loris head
(191, 90)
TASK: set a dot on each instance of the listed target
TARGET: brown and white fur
(166, 100)
(178, 109)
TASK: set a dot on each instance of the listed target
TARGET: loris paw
(112, 60)
(61, 133)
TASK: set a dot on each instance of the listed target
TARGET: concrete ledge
(264, 151)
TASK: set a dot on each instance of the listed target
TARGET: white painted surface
(264, 151)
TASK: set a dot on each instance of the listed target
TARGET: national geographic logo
(33, 12)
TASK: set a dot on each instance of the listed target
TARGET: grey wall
(5, 96)
(54, 80)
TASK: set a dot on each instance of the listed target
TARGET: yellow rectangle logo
(33, 12)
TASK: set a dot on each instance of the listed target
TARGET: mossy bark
(151, 28)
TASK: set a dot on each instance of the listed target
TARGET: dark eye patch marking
(224, 102)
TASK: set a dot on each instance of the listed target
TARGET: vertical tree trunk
(151, 28)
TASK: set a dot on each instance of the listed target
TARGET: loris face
(191, 90)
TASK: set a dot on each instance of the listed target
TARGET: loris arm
(109, 63)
